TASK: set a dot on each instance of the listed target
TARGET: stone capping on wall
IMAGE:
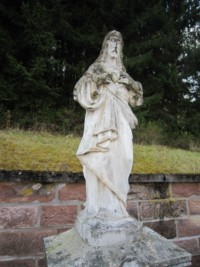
(70, 177)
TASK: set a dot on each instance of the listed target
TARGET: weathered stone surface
(106, 148)
(152, 250)
(132, 208)
(63, 229)
(70, 177)
(26, 192)
(185, 189)
(42, 263)
(196, 261)
(108, 231)
(58, 215)
(23, 243)
(18, 263)
(12, 217)
(164, 228)
(72, 192)
(194, 206)
(190, 245)
(163, 178)
(40, 176)
(161, 210)
(189, 227)
(145, 191)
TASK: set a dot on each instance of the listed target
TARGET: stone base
(152, 250)
(110, 231)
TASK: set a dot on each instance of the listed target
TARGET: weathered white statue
(106, 152)
(105, 235)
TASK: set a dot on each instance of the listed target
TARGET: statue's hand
(102, 78)
(130, 83)
(115, 77)
(108, 78)
(124, 81)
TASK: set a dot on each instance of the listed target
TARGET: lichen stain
(26, 192)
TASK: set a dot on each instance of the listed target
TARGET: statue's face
(114, 46)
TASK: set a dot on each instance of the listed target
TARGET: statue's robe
(106, 150)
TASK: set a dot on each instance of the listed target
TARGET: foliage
(150, 133)
(47, 45)
(60, 120)
(43, 151)
(154, 133)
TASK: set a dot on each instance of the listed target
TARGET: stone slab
(152, 250)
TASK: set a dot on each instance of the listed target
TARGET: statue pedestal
(150, 250)
(101, 231)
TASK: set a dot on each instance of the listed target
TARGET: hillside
(21, 150)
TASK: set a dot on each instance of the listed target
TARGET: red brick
(63, 229)
(164, 228)
(147, 211)
(191, 245)
(26, 192)
(161, 210)
(147, 191)
(23, 243)
(42, 263)
(73, 192)
(58, 215)
(189, 227)
(12, 217)
(18, 263)
(132, 208)
(194, 206)
(196, 261)
(185, 189)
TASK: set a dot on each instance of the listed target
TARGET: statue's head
(112, 47)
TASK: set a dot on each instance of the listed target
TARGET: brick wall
(30, 211)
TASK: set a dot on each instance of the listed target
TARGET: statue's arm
(86, 92)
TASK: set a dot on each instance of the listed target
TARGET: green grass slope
(21, 150)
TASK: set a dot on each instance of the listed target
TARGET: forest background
(46, 46)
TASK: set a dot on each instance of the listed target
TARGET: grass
(21, 150)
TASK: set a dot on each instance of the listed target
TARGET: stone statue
(105, 235)
(105, 91)
(106, 152)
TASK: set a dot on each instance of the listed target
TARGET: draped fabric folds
(106, 150)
